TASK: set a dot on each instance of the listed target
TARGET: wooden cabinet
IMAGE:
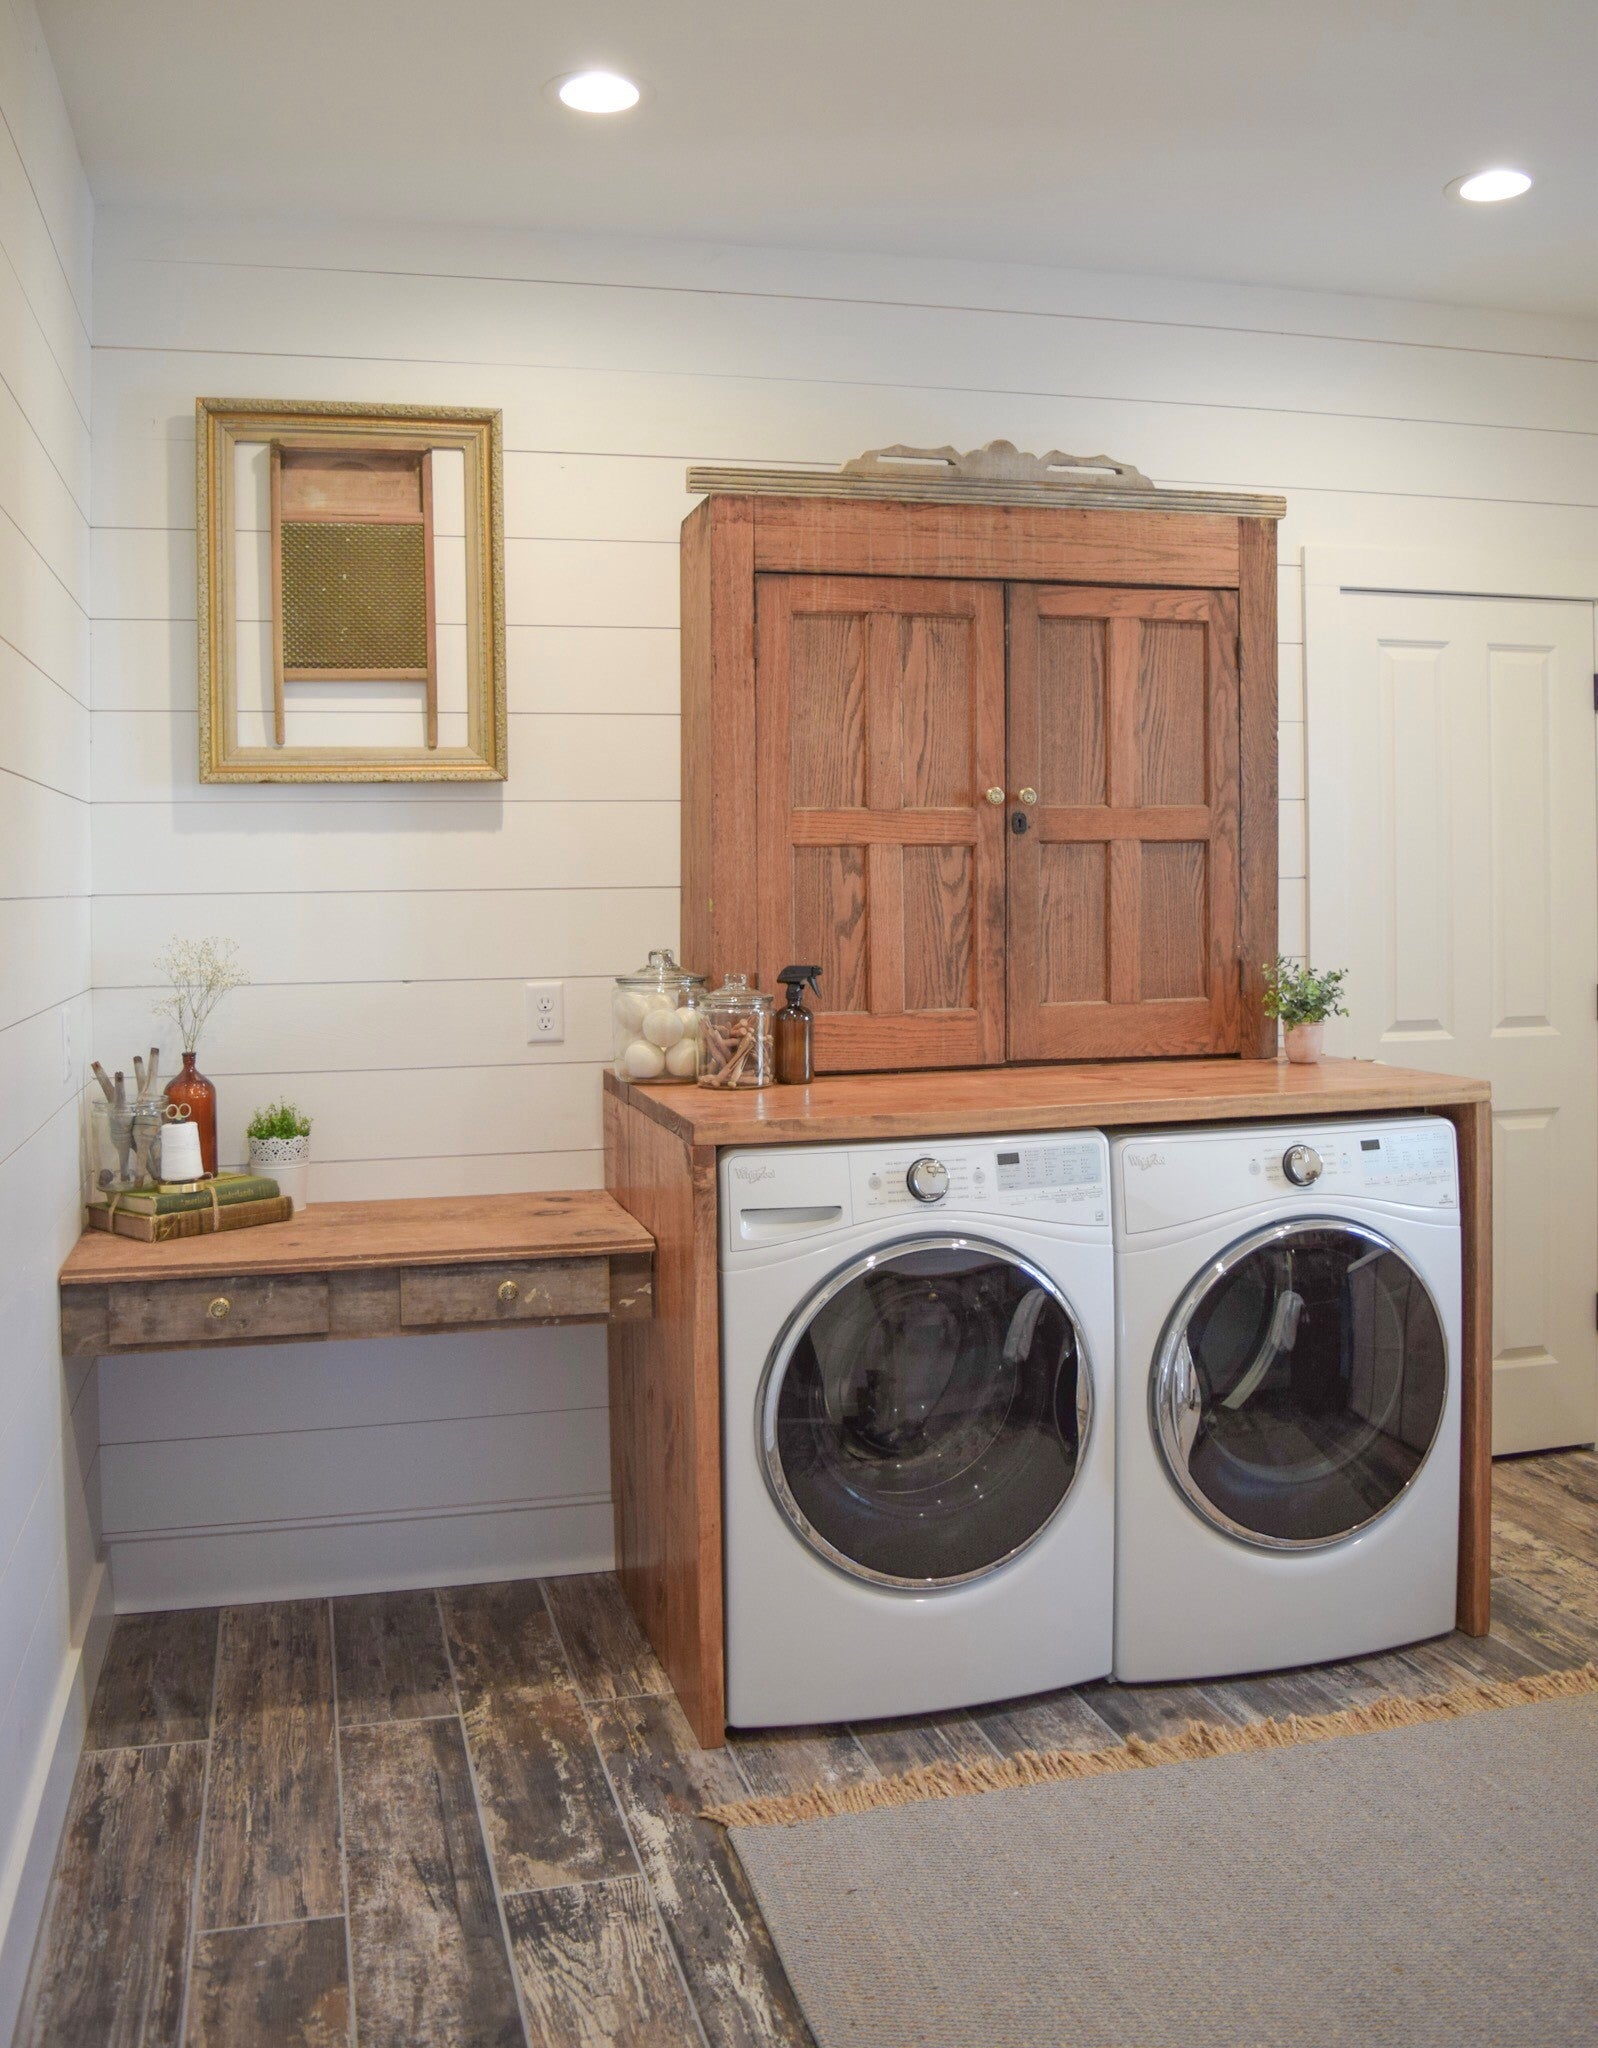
(1007, 773)
(1123, 891)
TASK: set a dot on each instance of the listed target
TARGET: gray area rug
(1433, 1886)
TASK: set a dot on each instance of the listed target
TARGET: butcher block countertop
(973, 1101)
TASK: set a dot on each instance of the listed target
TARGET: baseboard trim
(25, 1881)
(315, 1560)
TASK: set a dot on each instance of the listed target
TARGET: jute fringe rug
(1198, 1740)
(1426, 1884)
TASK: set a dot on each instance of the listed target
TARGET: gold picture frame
(252, 740)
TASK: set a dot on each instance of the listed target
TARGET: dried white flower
(201, 972)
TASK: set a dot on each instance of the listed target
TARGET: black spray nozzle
(795, 979)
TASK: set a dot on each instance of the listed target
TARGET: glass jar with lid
(655, 1017)
(735, 1036)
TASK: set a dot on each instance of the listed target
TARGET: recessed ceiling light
(1482, 187)
(598, 92)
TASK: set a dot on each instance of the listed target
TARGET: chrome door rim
(776, 1370)
(1168, 1399)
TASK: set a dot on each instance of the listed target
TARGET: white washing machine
(917, 1367)
(1287, 1394)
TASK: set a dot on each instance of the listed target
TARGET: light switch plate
(546, 1012)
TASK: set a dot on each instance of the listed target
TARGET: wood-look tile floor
(471, 1817)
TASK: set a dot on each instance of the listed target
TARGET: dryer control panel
(1181, 1177)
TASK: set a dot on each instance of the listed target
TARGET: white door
(1454, 868)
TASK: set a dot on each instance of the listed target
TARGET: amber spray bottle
(793, 1028)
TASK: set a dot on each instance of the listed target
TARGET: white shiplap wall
(53, 1594)
(390, 930)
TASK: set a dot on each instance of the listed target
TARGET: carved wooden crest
(1000, 462)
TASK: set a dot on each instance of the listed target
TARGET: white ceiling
(1273, 141)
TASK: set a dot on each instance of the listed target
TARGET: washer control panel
(1064, 1176)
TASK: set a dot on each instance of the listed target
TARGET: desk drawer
(519, 1291)
(220, 1311)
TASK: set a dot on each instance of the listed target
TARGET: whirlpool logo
(1144, 1160)
(751, 1176)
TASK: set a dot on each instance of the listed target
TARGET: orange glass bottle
(794, 1030)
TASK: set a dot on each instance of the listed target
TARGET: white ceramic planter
(1305, 1043)
(287, 1160)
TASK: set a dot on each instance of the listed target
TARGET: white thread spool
(180, 1151)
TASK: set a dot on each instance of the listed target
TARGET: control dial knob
(1302, 1165)
(928, 1180)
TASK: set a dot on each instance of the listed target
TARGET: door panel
(880, 725)
(1461, 887)
(1123, 887)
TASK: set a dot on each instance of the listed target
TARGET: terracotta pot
(1305, 1043)
(192, 1087)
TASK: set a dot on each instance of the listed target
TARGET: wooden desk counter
(661, 1146)
(362, 1269)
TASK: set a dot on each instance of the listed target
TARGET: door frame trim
(1330, 573)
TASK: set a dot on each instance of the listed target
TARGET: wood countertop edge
(100, 1259)
(1361, 1086)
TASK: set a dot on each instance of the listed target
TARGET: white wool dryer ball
(630, 1008)
(683, 1059)
(643, 1061)
(663, 1027)
(690, 1023)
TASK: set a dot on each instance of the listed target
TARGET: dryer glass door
(924, 1414)
(1301, 1383)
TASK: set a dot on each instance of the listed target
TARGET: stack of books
(228, 1201)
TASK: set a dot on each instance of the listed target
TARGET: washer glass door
(1301, 1383)
(925, 1413)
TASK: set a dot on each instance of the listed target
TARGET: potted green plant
(280, 1145)
(1303, 999)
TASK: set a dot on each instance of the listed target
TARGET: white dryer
(1287, 1392)
(918, 1443)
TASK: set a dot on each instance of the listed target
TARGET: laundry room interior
(798, 1049)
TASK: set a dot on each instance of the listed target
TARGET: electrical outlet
(546, 1012)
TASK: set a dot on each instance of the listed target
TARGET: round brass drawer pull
(219, 1308)
(995, 795)
(1028, 796)
(508, 1290)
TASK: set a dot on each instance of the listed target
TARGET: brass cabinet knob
(995, 796)
(508, 1290)
(1027, 796)
(219, 1308)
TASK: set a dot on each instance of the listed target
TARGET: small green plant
(279, 1120)
(1298, 995)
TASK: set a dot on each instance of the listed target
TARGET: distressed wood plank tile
(609, 1653)
(664, 1780)
(1153, 1710)
(905, 1745)
(108, 1972)
(596, 1970)
(1464, 1660)
(155, 1684)
(1276, 1695)
(550, 1815)
(1045, 1720)
(389, 1649)
(1557, 1631)
(794, 1759)
(430, 1964)
(1524, 1496)
(270, 1987)
(1552, 1572)
(271, 1820)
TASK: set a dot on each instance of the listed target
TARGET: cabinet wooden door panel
(1123, 887)
(879, 713)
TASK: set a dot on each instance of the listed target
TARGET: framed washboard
(351, 593)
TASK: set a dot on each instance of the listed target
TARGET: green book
(221, 1192)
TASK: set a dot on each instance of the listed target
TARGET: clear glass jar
(735, 1036)
(654, 1015)
(124, 1144)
